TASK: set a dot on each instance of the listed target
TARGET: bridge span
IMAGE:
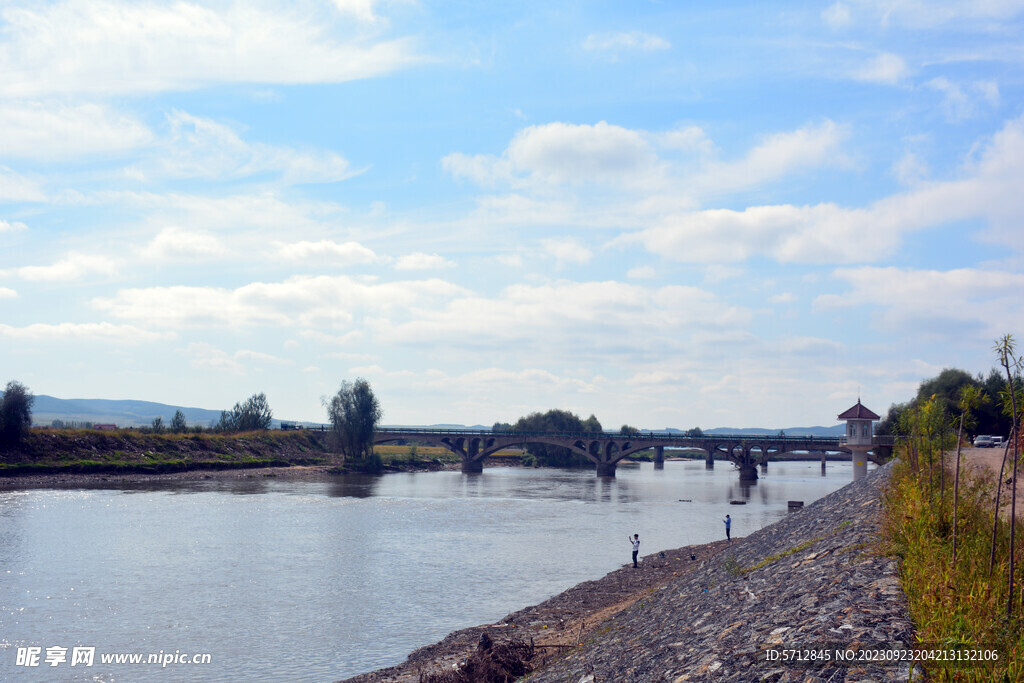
(607, 450)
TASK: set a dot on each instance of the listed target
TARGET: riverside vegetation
(957, 542)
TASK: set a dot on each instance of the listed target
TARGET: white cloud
(421, 261)
(304, 301)
(208, 357)
(203, 148)
(326, 252)
(826, 233)
(73, 266)
(836, 15)
(510, 260)
(107, 47)
(959, 103)
(641, 273)
(98, 332)
(964, 303)
(15, 187)
(822, 233)
(564, 154)
(57, 130)
(530, 379)
(886, 68)
(910, 169)
(587, 317)
(716, 272)
(260, 214)
(567, 250)
(687, 139)
(934, 13)
(176, 244)
(625, 40)
(573, 154)
(360, 9)
(8, 226)
(8, 293)
(777, 156)
(260, 357)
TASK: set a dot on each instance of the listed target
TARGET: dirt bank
(990, 460)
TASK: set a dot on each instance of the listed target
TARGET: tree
(626, 430)
(561, 422)
(971, 398)
(252, 414)
(178, 424)
(1005, 348)
(158, 424)
(354, 413)
(15, 413)
(226, 422)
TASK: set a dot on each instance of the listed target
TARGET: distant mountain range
(128, 413)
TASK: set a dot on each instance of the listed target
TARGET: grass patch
(956, 603)
(785, 553)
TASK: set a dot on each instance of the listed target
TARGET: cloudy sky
(662, 213)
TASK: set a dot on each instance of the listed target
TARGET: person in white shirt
(636, 547)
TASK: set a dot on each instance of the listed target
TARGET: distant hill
(128, 413)
(837, 430)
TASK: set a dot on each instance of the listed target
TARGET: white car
(997, 442)
(983, 441)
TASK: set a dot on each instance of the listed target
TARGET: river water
(319, 580)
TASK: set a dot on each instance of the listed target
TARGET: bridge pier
(606, 469)
(472, 466)
(659, 457)
(710, 462)
(748, 472)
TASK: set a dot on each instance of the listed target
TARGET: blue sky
(664, 214)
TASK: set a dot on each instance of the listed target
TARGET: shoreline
(561, 622)
(283, 472)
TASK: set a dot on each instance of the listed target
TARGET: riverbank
(69, 457)
(813, 580)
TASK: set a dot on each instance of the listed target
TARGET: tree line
(944, 391)
(561, 422)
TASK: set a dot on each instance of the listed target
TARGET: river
(280, 579)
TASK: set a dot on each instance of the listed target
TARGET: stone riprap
(813, 581)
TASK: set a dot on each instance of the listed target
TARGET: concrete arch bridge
(606, 450)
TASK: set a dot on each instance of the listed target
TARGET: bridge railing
(642, 436)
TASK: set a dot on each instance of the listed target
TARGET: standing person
(728, 526)
(636, 547)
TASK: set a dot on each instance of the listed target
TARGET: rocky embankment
(815, 581)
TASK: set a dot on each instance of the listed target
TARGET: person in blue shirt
(728, 526)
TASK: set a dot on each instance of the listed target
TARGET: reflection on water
(319, 580)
